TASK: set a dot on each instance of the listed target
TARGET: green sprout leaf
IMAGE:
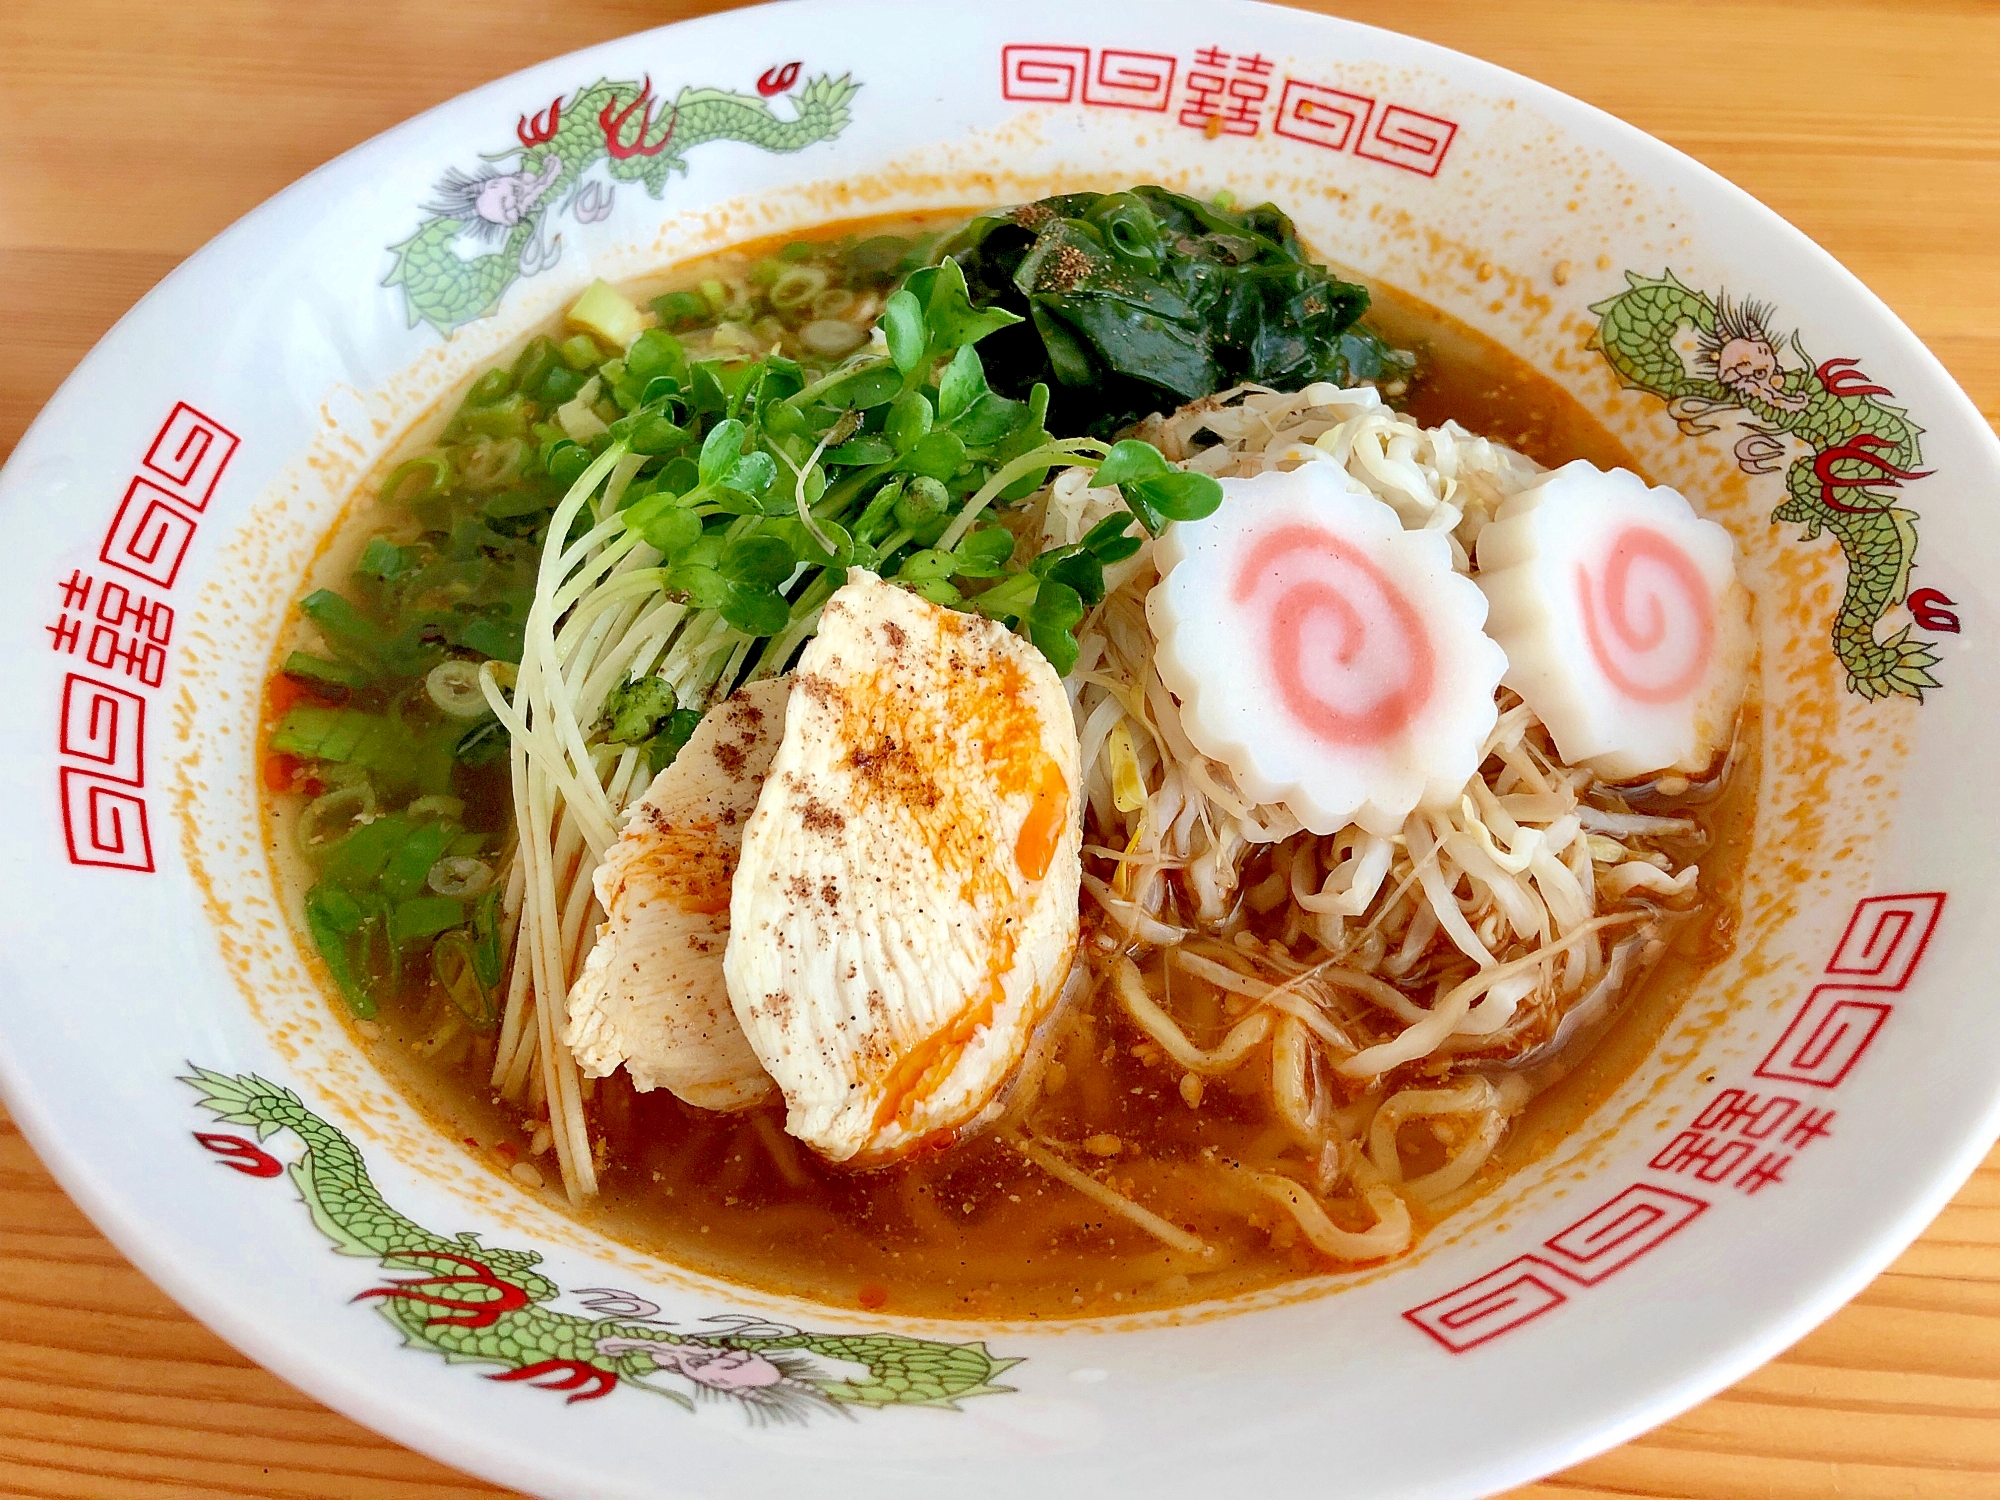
(706, 394)
(739, 579)
(948, 309)
(1057, 611)
(651, 434)
(704, 586)
(903, 328)
(908, 422)
(1178, 496)
(1129, 461)
(923, 509)
(940, 455)
(1111, 539)
(1011, 598)
(927, 565)
(860, 453)
(671, 527)
(759, 561)
(792, 532)
(1081, 570)
(756, 614)
(984, 553)
(720, 450)
(963, 383)
(752, 474)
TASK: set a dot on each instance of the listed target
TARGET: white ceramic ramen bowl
(1816, 1101)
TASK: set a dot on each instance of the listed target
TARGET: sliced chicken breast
(905, 910)
(651, 996)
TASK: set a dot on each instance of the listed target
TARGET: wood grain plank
(56, 303)
(135, 132)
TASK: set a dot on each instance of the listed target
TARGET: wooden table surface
(131, 132)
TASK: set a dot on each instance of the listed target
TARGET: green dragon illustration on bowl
(481, 1304)
(1705, 356)
(507, 202)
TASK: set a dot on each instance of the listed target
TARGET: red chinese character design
(135, 657)
(104, 824)
(190, 452)
(1246, 106)
(1321, 116)
(1767, 1169)
(1721, 1139)
(1619, 1231)
(1734, 1112)
(63, 635)
(1201, 105)
(1042, 75)
(152, 625)
(1408, 138)
(134, 611)
(1222, 105)
(1741, 1137)
(103, 725)
(1130, 80)
(1814, 1124)
(1710, 1157)
(149, 537)
(1875, 958)
(1502, 1300)
(106, 726)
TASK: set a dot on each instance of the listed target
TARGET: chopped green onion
(561, 384)
(424, 916)
(533, 364)
(681, 309)
(490, 387)
(343, 734)
(607, 313)
(499, 640)
(333, 917)
(323, 673)
(352, 802)
(409, 863)
(356, 862)
(482, 744)
(351, 633)
(580, 352)
(505, 418)
(455, 966)
(414, 479)
(454, 687)
(459, 875)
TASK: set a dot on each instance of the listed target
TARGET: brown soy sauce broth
(975, 1231)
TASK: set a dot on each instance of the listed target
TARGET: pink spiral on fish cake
(1648, 616)
(1353, 662)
